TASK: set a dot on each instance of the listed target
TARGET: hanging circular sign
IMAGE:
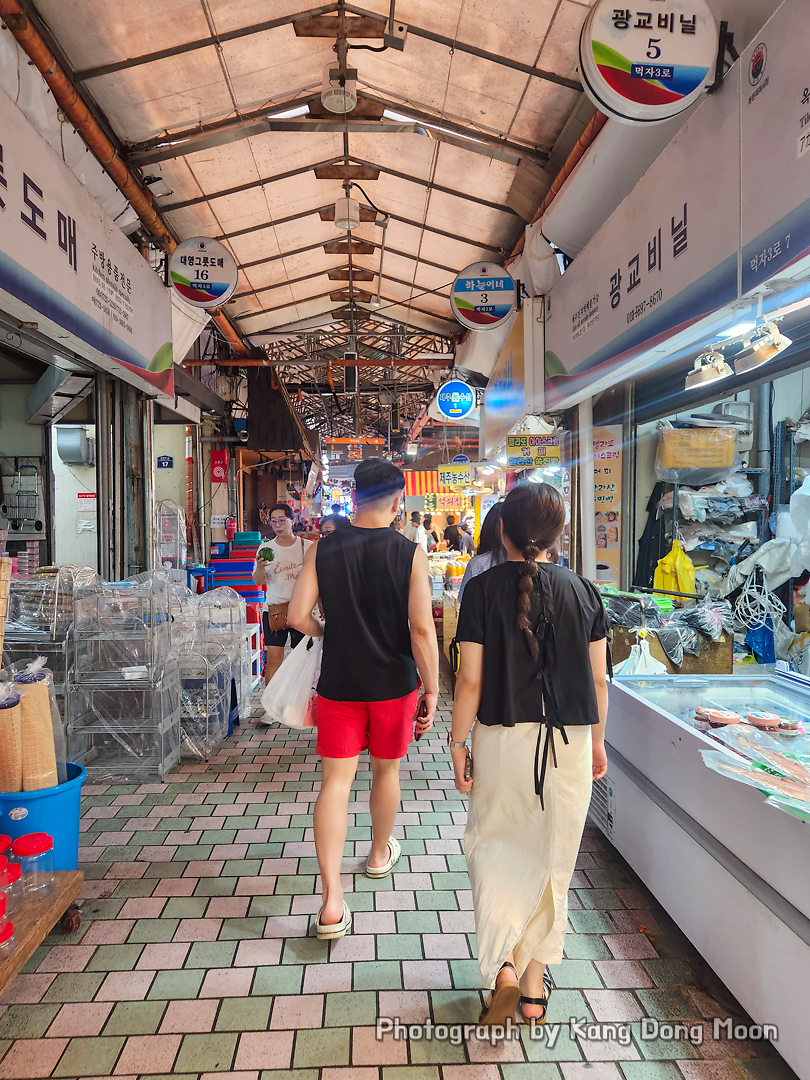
(455, 400)
(647, 66)
(483, 295)
(203, 272)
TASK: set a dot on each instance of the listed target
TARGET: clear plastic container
(11, 886)
(34, 854)
(5, 844)
(6, 939)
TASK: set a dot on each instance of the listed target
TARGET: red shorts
(384, 728)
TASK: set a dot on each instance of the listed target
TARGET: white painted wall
(70, 545)
(170, 440)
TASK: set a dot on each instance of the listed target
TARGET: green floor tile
(399, 947)
(135, 1018)
(89, 1057)
(592, 922)
(74, 987)
(270, 905)
(771, 1068)
(210, 954)
(586, 947)
(599, 899)
(575, 974)
(321, 1047)
(171, 985)
(379, 975)
(171, 869)
(436, 1053)
(35, 959)
(215, 887)
(536, 1070)
(466, 974)
(357, 1009)
(308, 950)
(360, 901)
(456, 1006)
(663, 1049)
(410, 1072)
(436, 900)
(288, 885)
(450, 881)
(27, 1021)
(188, 852)
(242, 867)
(364, 884)
(457, 863)
(102, 909)
(244, 1014)
(114, 958)
(147, 930)
(264, 851)
(206, 1053)
(278, 980)
(552, 1043)
(240, 929)
(137, 887)
(418, 922)
(649, 1070)
(667, 1005)
(565, 1004)
(185, 907)
(666, 973)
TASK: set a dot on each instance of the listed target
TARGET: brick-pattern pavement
(196, 957)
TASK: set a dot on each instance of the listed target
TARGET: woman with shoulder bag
(533, 673)
(279, 574)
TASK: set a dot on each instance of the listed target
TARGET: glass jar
(5, 844)
(34, 853)
(6, 939)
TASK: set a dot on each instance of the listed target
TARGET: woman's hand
(599, 760)
(459, 761)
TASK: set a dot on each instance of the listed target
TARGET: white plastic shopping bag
(286, 698)
(640, 662)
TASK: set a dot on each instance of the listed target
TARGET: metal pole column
(586, 492)
(150, 561)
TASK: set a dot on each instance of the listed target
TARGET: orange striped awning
(425, 483)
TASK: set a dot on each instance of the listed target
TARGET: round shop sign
(642, 67)
(455, 400)
(203, 272)
(483, 295)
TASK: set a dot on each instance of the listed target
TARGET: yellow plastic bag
(675, 572)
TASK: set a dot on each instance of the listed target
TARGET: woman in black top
(533, 673)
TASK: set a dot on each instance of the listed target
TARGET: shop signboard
(203, 272)
(455, 476)
(165, 461)
(345, 454)
(219, 466)
(532, 451)
(775, 146)
(607, 497)
(643, 67)
(456, 400)
(505, 396)
(461, 459)
(65, 261)
(664, 260)
(482, 296)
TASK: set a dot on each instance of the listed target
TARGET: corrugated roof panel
(544, 111)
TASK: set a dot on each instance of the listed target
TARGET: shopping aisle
(194, 956)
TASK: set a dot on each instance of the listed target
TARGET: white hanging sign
(483, 295)
(203, 272)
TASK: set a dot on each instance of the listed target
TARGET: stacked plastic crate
(235, 570)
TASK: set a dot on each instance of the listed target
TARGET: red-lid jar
(5, 844)
(31, 845)
(6, 938)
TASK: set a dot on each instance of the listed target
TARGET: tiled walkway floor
(196, 956)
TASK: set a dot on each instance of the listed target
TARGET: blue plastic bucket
(53, 810)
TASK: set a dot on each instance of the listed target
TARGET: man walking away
(279, 574)
(416, 531)
(466, 539)
(374, 587)
(452, 534)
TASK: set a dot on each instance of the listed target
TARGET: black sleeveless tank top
(364, 579)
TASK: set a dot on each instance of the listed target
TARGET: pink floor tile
(227, 982)
(254, 1075)
(620, 974)
(299, 1011)
(705, 1070)
(635, 898)
(256, 886)
(125, 986)
(156, 1051)
(306, 905)
(198, 930)
(353, 1072)
(353, 947)
(26, 989)
(203, 868)
(126, 870)
(464, 899)
(227, 907)
(618, 1005)
(481, 1051)
(31, 1058)
(67, 958)
(457, 922)
(163, 956)
(286, 926)
(375, 922)
(189, 1016)
(425, 975)
(108, 932)
(629, 921)
(143, 907)
(419, 882)
(470, 1072)
(411, 1006)
(368, 1050)
(85, 1019)
(258, 953)
(630, 946)
(274, 867)
(581, 1070)
(327, 978)
(264, 1050)
(176, 887)
(445, 946)
(395, 901)
(229, 851)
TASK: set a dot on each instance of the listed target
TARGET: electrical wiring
(755, 605)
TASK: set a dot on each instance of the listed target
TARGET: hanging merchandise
(695, 455)
(675, 572)
(712, 618)
(640, 661)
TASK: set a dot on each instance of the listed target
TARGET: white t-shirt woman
(281, 574)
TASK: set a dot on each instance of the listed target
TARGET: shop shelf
(170, 535)
(205, 688)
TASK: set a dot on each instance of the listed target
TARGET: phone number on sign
(644, 306)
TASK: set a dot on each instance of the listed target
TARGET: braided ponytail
(532, 516)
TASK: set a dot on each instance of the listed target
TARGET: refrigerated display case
(731, 870)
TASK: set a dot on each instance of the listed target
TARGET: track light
(708, 366)
(765, 343)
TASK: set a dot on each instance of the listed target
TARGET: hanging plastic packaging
(42, 731)
(675, 572)
(640, 662)
(714, 618)
(794, 792)
(287, 697)
(766, 751)
(696, 456)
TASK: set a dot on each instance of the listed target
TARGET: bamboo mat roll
(38, 749)
(5, 584)
(10, 744)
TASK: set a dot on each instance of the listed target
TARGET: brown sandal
(502, 1003)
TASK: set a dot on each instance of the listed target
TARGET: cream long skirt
(520, 857)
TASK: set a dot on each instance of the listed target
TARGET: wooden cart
(39, 916)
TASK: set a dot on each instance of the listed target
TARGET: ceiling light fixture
(339, 89)
(347, 213)
(766, 342)
(740, 330)
(709, 366)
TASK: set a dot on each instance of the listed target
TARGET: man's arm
(423, 636)
(305, 597)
